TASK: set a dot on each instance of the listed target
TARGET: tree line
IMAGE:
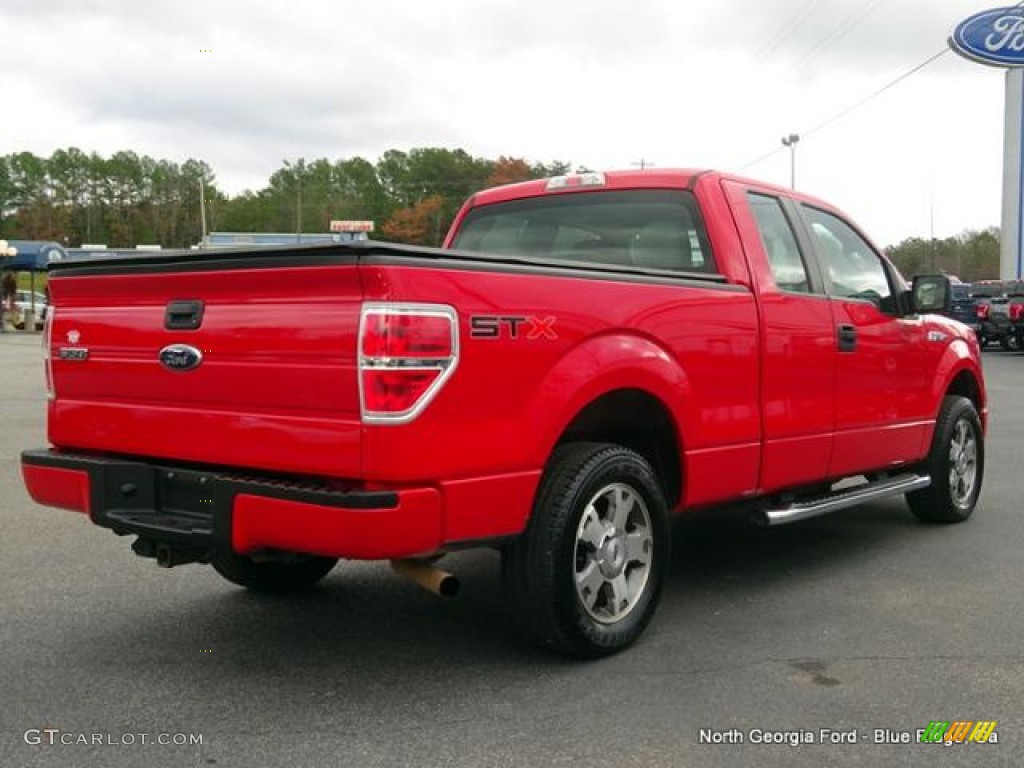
(73, 197)
(970, 256)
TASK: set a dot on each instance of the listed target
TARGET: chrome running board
(850, 497)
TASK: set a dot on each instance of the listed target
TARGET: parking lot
(855, 623)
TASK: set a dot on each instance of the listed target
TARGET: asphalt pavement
(855, 626)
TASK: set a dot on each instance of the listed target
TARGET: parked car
(994, 300)
(1016, 316)
(964, 306)
(23, 304)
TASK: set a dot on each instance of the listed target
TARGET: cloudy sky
(676, 83)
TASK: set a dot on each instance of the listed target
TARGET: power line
(857, 105)
(792, 24)
(844, 28)
(877, 93)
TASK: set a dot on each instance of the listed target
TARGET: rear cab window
(647, 229)
(780, 244)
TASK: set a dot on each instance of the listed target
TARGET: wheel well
(966, 385)
(636, 420)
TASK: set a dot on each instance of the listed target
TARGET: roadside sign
(351, 226)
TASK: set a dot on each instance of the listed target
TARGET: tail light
(406, 354)
(982, 311)
(1016, 312)
(47, 351)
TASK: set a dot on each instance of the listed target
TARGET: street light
(300, 168)
(790, 141)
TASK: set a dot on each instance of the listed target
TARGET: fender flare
(596, 367)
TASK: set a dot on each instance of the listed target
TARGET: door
(799, 357)
(884, 362)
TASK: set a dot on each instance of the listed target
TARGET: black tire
(567, 592)
(273, 577)
(956, 482)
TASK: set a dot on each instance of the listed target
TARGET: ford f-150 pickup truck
(583, 358)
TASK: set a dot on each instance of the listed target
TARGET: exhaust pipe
(168, 557)
(427, 576)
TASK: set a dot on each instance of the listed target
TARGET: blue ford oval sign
(994, 37)
(180, 357)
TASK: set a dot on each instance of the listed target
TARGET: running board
(861, 494)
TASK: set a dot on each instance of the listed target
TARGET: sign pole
(1010, 257)
(1013, 170)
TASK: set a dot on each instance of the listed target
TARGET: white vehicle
(23, 303)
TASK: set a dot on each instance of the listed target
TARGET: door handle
(846, 336)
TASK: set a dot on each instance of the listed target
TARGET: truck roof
(659, 178)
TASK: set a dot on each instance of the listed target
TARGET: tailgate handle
(184, 315)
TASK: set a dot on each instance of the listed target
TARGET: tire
(586, 576)
(272, 577)
(956, 465)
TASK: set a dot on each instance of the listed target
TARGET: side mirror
(930, 293)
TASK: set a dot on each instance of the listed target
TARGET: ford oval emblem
(994, 37)
(180, 357)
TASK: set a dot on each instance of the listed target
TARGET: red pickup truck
(585, 356)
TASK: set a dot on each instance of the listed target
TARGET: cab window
(853, 269)
(779, 243)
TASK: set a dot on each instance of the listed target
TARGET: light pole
(790, 141)
(300, 167)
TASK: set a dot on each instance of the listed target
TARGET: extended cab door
(884, 361)
(797, 339)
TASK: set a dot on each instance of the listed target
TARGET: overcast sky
(676, 83)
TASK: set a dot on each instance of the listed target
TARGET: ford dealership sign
(994, 37)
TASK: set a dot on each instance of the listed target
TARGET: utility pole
(791, 141)
(931, 225)
(202, 210)
(643, 163)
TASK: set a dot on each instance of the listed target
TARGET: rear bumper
(209, 510)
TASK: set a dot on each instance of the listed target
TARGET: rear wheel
(272, 576)
(956, 465)
(586, 575)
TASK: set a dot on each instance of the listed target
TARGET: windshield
(644, 229)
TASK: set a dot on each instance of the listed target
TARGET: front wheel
(272, 576)
(956, 465)
(585, 577)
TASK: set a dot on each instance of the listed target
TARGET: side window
(852, 268)
(779, 243)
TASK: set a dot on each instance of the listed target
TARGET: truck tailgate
(276, 386)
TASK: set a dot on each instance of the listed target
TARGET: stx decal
(530, 327)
